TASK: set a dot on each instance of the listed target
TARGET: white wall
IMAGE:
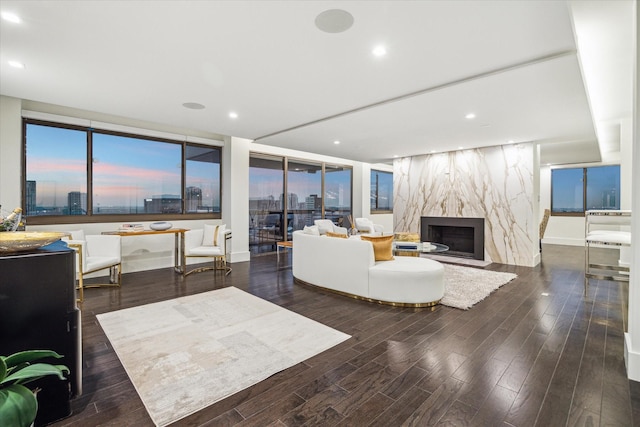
(10, 143)
(632, 337)
(235, 195)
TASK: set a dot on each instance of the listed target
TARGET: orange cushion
(382, 247)
(339, 235)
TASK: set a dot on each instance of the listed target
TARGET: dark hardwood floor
(534, 353)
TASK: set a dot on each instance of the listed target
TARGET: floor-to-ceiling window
(313, 190)
(337, 193)
(304, 193)
(266, 204)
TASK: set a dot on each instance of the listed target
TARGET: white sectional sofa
(348, 266)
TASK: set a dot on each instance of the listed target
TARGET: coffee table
(420, 248)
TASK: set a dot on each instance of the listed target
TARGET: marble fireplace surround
(494, 183)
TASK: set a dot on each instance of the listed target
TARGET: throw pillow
(382, 247)
(338, 235)
(324, 225)
(311, 229)
(214, 235)
(364, 225)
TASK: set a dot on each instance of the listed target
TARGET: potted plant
(18, 404)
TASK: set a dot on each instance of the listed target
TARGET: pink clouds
(47, 166)
(125, 173)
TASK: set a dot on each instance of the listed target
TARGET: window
(202, 179)
(304, 192)
(266, 207)
(576, 190)
(132, 175)
(56, 171)
(314, 190)
(337, 193)
(89, 173)
(381, 191)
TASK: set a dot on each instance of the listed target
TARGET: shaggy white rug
(466, 286)
(185, 354)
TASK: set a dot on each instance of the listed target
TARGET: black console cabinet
(38, 311)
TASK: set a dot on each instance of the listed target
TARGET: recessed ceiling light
(193, 106)
(470, 116)
(433, 151)
(233, 115)
(17, 64)
(11, 17)
(511, 141)
(336, 142)
(379, 50)
(461, 148)
(334, 21)
(395, 156)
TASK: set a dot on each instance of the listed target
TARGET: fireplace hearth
(464, 236)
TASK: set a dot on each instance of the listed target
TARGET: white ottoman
(407, 280)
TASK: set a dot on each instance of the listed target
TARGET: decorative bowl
(161, 225)
(20, 241)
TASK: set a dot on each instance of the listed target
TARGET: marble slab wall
(494, 183)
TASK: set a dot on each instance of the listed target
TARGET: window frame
(376, 210)
(91, 217)
(584, 190)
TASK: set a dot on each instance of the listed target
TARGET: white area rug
(466, 286)
(185, 354)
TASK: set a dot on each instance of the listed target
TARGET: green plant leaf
(3, 369)
(29, 356)
(18, 406)
(35, 371)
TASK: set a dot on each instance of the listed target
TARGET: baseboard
(239, 256)
(536, 259)
(632, 359)
(562, 241)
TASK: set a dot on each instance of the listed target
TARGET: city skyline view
(600, 184)
(126, 171)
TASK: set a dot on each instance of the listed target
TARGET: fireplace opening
(463, 236)
(459, 239)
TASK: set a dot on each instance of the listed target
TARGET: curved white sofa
(348, 266)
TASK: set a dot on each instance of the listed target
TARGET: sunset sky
(125, 170)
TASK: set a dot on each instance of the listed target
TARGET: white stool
(407, 280)
(606, 228)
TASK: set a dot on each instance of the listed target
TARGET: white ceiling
(515, 64)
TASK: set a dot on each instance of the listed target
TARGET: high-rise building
(193, 197)
(313, 202)
(163, 203)
(77, 203)
(292, 201)
(30, 200)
